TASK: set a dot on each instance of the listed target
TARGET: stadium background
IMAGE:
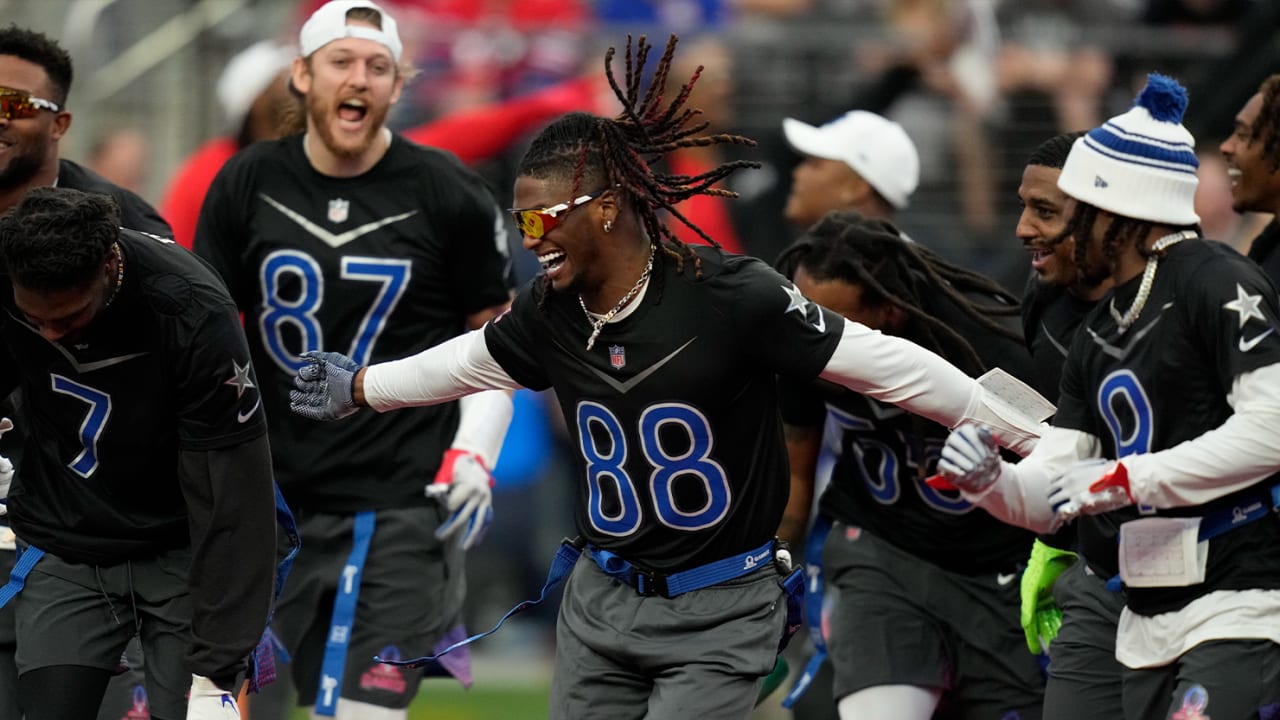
(976, 83)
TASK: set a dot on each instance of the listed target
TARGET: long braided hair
(871, 254)
(1122, 229)
(592, 153)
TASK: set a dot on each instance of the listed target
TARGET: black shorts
(1223, 680)
(1084, 675)
(895, 619)
(411, 593)
(74, 614)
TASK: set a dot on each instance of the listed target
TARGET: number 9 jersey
(377, 266)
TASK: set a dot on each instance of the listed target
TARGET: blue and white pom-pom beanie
(1141, 164)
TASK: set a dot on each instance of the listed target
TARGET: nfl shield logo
(617, 356)
(338, 210)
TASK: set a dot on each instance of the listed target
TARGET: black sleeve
(777, 325)
(231, 509)
(513, 344)
(220, 231)
(136, 214)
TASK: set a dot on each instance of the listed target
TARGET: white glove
(1090, 487)
(970, 459)
(207, 701)
(465, 487)
(6, 469)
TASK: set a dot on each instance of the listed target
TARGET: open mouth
(1039, 255)
(1234, 174)
(352, 110)
(552, 262)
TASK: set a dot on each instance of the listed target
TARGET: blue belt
(646, 583)
(27, 560)
(343, 618)
(649, 583)
(813, 608)
(1224, 520)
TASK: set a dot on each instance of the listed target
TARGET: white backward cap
(248, 75)
(329, 23)
(878, 149)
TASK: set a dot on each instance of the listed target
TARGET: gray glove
(323, 387)
(970, 459)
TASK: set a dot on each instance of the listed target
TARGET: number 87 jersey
(674, 411)
(377, 266)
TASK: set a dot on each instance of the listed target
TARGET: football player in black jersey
(1169, 410)
(145, 464)
(348, 237)
(1252, 152)
(663, 357)
(1066, 603)
(34, 68)
(902, 559)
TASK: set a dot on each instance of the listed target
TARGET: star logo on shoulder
(801, 304)
(1246, 306)
(240, 379)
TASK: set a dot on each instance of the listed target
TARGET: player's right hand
(323, 387)
(970, 459)
(6, 469)
(1040, 617)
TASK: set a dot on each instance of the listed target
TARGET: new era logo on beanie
(1141, 164)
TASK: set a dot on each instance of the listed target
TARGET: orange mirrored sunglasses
(20, 105)
(536, 222)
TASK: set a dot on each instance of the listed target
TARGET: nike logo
(1004, 579)
(243, 417)
(1247, 345)
(623, 387)
(79, 366)
(334, 240)
(1121, 353)
(1062, 349)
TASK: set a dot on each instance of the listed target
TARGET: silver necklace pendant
(598, 322)
(1125, 321)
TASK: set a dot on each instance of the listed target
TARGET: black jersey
(1050, 317)
(1210, 317)
(377, 267)
(675, 410)
(135, 213)
(1265, 250)
(164, 368)
(884, 454)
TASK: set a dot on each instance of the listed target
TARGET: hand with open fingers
(970, 459)
(466, 489)
(1090, 487)
(6, 468)
(323, 387)
(207, 701)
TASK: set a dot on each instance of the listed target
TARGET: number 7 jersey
(376, 267)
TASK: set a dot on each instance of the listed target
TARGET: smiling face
(350, 85)
(1045, 210)
(28, 145)
(569, 253)
(1255, 186)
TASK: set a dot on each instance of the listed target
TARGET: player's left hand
(6, 469)
(1090, 487)
(323, 387)
(207, 701)
(464, 485)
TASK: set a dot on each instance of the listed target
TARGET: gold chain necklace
(598, 323)
(1148, 277)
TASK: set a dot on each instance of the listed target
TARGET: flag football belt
(812, 608)
(570, 551)
(649, 583)
(1226, 519)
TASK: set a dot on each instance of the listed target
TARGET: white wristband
(483, 424)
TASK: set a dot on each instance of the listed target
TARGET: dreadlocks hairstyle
(57, 238)
(872, 254)
(1052, 153)
(593, 152)
(1266, 126)
(1122, 229)
(38, 49)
